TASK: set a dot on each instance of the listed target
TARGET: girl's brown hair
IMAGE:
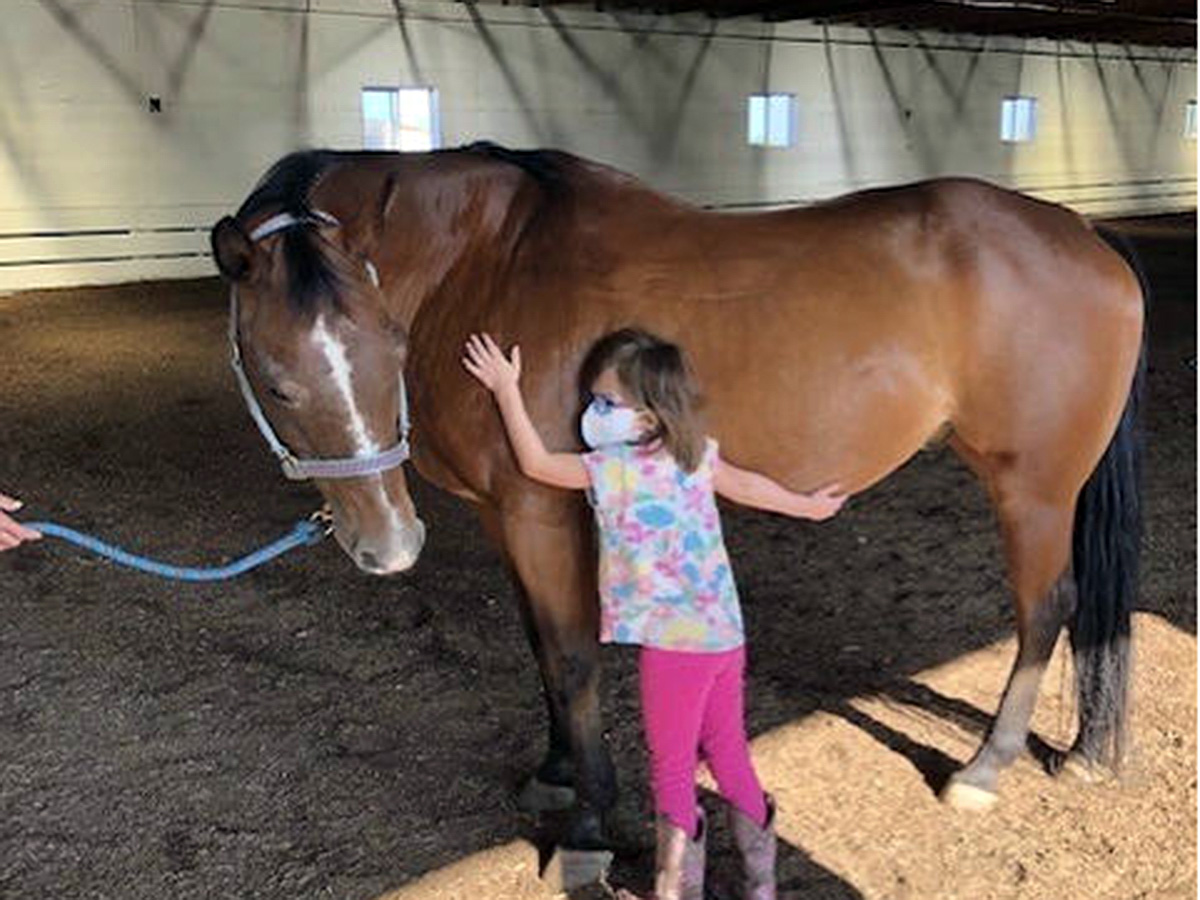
(656, 376)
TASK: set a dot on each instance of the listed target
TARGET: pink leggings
(691, 707)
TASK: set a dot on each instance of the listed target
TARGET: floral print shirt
(665, 579)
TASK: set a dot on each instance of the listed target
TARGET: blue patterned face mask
(605, 423)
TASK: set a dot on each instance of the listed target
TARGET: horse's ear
(231, 249)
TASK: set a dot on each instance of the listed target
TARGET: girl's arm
(486, 361)
(752, 489)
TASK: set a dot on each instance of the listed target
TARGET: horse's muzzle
(397, 552)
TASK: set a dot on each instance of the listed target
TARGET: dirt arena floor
(308, 732)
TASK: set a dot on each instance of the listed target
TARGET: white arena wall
(95, 187)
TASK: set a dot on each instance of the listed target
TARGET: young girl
(665, 581)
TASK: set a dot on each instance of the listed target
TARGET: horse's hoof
(570, 870)
(1083, 769)
(539, 797)
(967, 797)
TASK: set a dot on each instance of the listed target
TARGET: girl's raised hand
(486, 361)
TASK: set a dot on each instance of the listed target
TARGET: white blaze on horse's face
(374, 519)
(334, 351)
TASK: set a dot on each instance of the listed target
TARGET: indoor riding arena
(309, 730)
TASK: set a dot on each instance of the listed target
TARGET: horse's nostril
(368, 560)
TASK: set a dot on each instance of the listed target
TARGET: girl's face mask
(606, 423)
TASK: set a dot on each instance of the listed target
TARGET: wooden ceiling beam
(1059, 11)
(1161, 22)
(1172, 9)
(810, 9)
(1052, 26)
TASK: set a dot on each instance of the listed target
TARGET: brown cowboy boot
(757, 847)
(678, 865)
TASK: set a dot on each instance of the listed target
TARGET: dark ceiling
(1160, 23)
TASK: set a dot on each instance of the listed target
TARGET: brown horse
(833, 342)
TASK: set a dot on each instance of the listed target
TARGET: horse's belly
(812, 421)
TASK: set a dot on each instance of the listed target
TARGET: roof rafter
(1170, 23)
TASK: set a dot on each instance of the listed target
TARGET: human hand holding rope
(12, 532)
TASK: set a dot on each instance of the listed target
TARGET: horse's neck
(454, 218)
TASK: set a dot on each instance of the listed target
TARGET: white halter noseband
(293, 467)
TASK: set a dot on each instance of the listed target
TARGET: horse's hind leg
(1036, 529)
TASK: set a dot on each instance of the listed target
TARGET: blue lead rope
(304, 533)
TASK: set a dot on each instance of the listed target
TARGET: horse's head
(321, 367)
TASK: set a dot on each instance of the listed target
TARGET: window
(1189, 121)
(771, 120)
(1018, 119)
(400, 119)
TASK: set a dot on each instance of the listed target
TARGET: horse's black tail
(1107, 544)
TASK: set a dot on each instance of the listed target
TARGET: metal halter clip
(324, 518)
(292, 469)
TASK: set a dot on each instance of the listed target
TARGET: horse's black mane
(544, 166)
(288, 183)
(285, 188)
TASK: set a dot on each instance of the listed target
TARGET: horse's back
(832, 340)
(836, 339)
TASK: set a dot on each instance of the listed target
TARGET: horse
(832, 341)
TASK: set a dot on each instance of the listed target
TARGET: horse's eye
(280, 396)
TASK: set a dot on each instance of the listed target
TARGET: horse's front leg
(553, 560)
(552, 786)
